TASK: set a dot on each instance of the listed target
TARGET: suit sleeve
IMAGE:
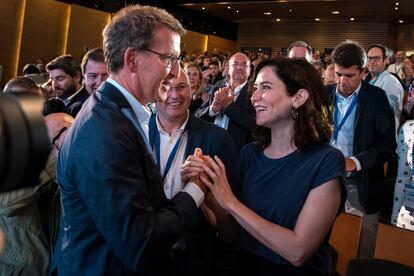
(114, 178)
(384, 144)
(242, 114)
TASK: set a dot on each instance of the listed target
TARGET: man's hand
(350, 165)
(192, 168)
(224, 96)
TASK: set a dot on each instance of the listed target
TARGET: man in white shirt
(378, 76)
(231, 108)
(396, 68)
(174, 134)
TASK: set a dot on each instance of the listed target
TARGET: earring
(294, 114)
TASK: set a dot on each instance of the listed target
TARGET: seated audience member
(290, 181)
(318, 65)
(199, 94)
(22, 84)
(29, 216)
(403, 207)
(408, 101)
(231, 108)
(33, 72)
(329, 74)
(94, 72)
(214, 70)
(300, 50)
(174, 134)
(65, 76)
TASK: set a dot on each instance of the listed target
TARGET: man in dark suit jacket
(116, 219)
(94, 72)
(365, 133)
(177, 133)
(231, 107)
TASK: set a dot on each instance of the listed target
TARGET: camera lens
(24, 143)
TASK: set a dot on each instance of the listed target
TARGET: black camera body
(24, 142)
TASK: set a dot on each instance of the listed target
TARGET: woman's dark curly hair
(314, 121)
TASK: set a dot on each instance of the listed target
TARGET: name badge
(409, 198)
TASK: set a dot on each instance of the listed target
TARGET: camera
(24, 142)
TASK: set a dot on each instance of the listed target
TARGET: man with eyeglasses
(231, 108)
(378, 75)
(174, 134)
(116, 219)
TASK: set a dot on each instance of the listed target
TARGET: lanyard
(337, 127)
(156, 139)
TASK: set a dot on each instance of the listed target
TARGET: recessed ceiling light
(203, 8)
(317, 19)
(396, 8)
(396, 3)
(335, 12)
(237, 11)
(278, 19)
(352, 19)
(228, 7)
(267, 13)
(290, 10)
(401, 21)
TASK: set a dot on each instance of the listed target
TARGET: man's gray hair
(134, 26)
(300, 43)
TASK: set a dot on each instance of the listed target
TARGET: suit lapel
(193, 136)
(361, 102)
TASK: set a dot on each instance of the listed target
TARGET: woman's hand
(192, 167)
(218, 183)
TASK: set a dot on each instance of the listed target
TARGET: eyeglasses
(239, 65)
(179, 88)
(61, 131)
(374, 58)
(170, 59)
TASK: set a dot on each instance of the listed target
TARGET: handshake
(193, 169)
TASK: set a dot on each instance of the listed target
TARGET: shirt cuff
(195, 192)
(210, 111)
(357, 163)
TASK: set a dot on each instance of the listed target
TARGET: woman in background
(199, 94)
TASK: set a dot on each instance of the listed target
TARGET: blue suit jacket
(115, 217)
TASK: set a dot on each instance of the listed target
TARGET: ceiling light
(335, 12)
(237, 11)
(317, 19)
(278, 19)
(401, 21)
(290, 10)
(396, 8)
(228, 7)
(396, 3)
(203, 8)
(267, 13)
(352, 19)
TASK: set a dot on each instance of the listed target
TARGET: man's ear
(300, 98)
(130, 56)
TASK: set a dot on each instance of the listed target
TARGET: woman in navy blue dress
(291, 181)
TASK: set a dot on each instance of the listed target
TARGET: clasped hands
(223, 97)
(210, 175)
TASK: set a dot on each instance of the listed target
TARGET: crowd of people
(165, 163)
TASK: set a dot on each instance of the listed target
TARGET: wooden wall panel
(193, 42)
(319, 35)
(221, 44)
(11, 14)
(85, 30)
(44, 30)
(405, 37)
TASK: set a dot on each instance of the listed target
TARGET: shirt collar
(355, 93)
(239, 88)
(142, 112)
(181, 128)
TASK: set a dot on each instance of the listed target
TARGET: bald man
(28, 215)
(231, 108)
